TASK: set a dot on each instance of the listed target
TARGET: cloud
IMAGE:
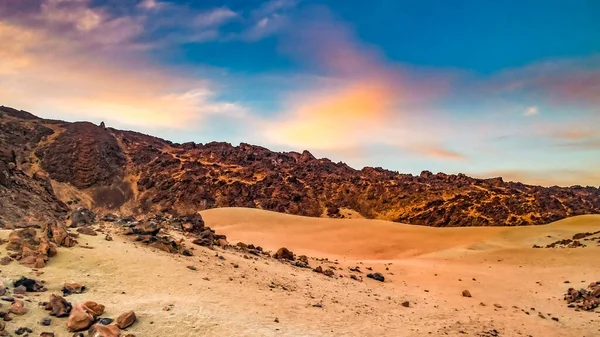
(356, 98)
(88, 66)
(439, 153)
(531, 111)
(215, 17)
(572, 82)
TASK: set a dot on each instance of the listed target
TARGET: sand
(429, 267)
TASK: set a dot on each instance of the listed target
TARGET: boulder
(94, 308)
(58, 306)
(82, 217)
(376, 277)
(30, 285)
(126, 320)
(18, 308)
(80, 318)
(73, 288)
(284, 253)
(99, 330)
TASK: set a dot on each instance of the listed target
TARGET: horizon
(486, 90)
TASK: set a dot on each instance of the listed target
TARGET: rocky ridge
(130, 173)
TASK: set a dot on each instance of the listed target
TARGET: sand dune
(429, 267)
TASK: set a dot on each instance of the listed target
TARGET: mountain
(48, 165)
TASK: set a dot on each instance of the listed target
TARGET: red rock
(80, 318)
(126, 320)
(58, 306)
(94, 308)
(18, 308)
(99, 330)
(284, 253)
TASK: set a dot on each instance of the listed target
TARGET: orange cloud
(58, 77)
(439, 153)
(359, 99)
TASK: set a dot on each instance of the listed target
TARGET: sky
(502, 88)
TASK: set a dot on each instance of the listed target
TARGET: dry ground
(511, 283)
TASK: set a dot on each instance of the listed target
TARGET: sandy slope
(429, 267)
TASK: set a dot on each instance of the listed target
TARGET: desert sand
(510, 282)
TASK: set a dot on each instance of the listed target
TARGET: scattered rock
(105, 321)
(82, 217)
(73, 288)
(87, 231)
(18, 308)
(284, 254)
(376, 277)
(126, 320)
(58, 306)
(99, 330)
(30, 285)
(584, 299)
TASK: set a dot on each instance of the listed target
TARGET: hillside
(131, 173)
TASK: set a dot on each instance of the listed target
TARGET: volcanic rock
(376, 277)
(30, 285)
(100, 330)
(73, 288)
(58, 306)
(18, 308)
(284, 253)
(126, 320)
(82, 217)
(80, 318)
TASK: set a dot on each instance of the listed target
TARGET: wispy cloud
(83, 62)
(358, 99)
(531, 111)
(439, 153)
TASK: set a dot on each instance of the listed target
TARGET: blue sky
(485, 88)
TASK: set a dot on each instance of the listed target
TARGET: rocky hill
(128, 172)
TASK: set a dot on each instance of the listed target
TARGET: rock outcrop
(152, 175)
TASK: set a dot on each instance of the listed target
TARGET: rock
(319, 270)
(406, 304)
(20, 290)
(5, 260)
(99, 330)
(82, 217)
(30, 285)
(376, 277)
(466, 293)
(126, 320)
(47, 334)
(94, 308)
(18, 308)
(192, 268)
(58, 306)
(23, 330)
(80, 318)
(73, 288)
(46, 321)
(284, 254)
(328, 272)
(105, 321)
(87, 231)
(108, 237)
